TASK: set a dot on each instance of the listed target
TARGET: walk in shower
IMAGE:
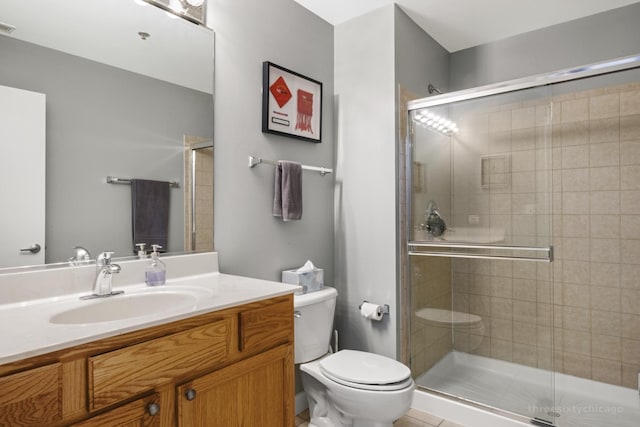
(521, 246)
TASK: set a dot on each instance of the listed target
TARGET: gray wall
(607, 35)
(365, 213)
(104, 121)
(374, 53)
(419, 59)
(251, 242)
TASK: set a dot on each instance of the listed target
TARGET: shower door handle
(547, 250)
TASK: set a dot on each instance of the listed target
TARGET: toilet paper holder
(382, 309)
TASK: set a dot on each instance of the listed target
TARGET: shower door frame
(404, 165)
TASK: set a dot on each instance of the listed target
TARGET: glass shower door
(479, 230)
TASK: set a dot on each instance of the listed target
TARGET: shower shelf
(547, 251)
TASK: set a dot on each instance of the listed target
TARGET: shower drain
(553, 414)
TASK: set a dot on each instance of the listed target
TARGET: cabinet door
(31, 398)
(139, 413)
(258, 391)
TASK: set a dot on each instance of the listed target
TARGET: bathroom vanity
(225, 359)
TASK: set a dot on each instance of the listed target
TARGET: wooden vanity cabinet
(32, 397)
(232, 367)
(139, 413)
(247, 393)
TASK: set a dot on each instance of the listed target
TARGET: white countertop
(27, 331)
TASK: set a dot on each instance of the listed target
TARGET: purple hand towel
(150, 212)
(287, 194)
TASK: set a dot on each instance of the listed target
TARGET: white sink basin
(148, 302)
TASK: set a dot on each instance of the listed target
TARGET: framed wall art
(291, 103)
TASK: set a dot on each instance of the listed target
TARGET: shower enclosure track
(599, 68)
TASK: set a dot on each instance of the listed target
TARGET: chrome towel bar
(253, 161)
(127, 181)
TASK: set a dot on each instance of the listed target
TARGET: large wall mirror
(128, 91)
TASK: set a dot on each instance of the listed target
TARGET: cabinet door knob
(153, 409)
(190, 394)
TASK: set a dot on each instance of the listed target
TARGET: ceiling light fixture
(191, 10)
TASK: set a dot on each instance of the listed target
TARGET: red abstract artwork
(305, 111)
(291, 103)
(280, 91)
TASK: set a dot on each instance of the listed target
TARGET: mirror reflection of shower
(198, 193)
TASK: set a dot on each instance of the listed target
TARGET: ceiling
(460, 24)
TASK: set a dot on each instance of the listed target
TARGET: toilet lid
(366, 370)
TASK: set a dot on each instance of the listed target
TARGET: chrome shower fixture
(432, 89)
(428, 119)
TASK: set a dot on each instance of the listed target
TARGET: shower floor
(529, 391)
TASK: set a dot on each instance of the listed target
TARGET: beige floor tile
(424, 417)
(413, 418)
(409, 422)
(302, 419)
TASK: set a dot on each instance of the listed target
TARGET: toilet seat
(366, 371)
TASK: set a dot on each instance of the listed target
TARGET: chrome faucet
(80, 256)
(104, 275)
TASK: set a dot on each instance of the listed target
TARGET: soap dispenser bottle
(141, 253)
(155, 273)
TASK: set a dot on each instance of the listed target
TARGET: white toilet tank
(313, 323)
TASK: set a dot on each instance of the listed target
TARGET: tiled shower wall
(430, 288)
(574, 183)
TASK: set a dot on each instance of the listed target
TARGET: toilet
(346, 388)
(468, 326)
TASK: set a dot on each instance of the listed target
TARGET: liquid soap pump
(141, 253)
(155, 273)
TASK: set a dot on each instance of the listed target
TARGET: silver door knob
(153, 409)
(34, 249)
(190, 394)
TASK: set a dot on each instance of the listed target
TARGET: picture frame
(291, 104)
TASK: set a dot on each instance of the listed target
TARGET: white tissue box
(310, 281)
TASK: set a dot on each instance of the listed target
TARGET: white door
(22, 177)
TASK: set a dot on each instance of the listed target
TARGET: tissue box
(310, 281)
